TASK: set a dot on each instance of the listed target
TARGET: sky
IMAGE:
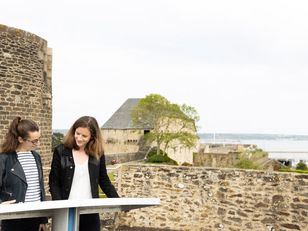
(241, 64)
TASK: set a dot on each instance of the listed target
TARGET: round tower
(25, 83)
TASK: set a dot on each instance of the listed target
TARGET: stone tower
(25, 83)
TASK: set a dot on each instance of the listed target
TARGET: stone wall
(121, 140)
(181, 154)
(124, 157)
(25, 83)
(198, 198)
(216, 160)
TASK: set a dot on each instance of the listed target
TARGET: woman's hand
(8, 202)
(42, 227)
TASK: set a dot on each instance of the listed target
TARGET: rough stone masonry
(199, 198)
(25, 83)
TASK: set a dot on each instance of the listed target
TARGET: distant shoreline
(63, 131)
(234, 136)
(251, 136)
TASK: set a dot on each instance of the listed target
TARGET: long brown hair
(18, 128)
(95, 146)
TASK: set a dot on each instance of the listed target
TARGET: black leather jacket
(13, 184)
(62, 173)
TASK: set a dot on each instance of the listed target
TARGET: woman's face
(82, 136)
(30, 143)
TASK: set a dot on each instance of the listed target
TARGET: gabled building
(121, 135)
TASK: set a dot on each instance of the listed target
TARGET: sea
(292, 148)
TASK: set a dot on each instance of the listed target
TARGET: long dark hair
(95, 145)
(18, 128)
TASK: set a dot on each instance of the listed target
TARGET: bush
(246, 164)
(57, 139)
(161, 158)
(153, 158)
(153, 152)
(158, 158)
(258, 153)
(301, 165)
(186, 164)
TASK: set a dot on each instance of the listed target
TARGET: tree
(57, 139)
(167, 121)
(301, 165)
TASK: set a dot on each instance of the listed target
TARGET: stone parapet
(198, 198)
(124, 157)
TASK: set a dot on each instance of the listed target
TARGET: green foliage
(57, 138)
(190, 112)
(156, 113)
(188, 139)
(161, 158)
(149, 110)
(258, 153)
(283, 167)
(255, 154)
(154, 152)
(246, 164)
(293, 170)
(186, 164)
(301, 165)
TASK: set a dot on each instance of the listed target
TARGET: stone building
(119, 132)
(217, 155)
(228, 155)
(25, 83)
(122, 136)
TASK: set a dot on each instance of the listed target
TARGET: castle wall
(216, 159)
(181, 154)
(25, 83)
(121, 140)
(198, 198)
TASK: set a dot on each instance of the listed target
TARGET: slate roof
(121, 119)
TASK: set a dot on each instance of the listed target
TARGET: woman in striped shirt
(21, 175)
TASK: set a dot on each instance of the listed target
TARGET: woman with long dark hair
(78, 167)
(21, 174)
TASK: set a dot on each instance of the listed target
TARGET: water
(278, 147)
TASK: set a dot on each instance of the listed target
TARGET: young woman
(78, 167)
(21, 175)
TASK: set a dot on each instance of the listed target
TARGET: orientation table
(65, 213)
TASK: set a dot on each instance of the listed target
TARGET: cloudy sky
(241, 64)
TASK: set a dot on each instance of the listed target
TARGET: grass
(100, 192)
(293, 170)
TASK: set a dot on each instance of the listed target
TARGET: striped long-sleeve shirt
(27, 161)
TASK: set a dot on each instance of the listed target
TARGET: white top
(81, 187)
(27, 161)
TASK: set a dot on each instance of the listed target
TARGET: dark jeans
(89, 222)
(25, 224)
